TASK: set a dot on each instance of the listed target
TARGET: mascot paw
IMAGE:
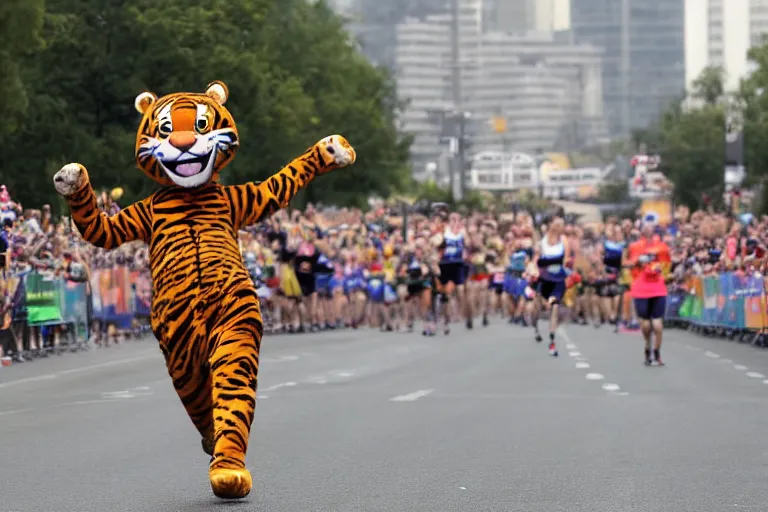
(70, 179)
(337, 151)
(230, 484)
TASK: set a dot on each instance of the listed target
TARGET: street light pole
(459, 153)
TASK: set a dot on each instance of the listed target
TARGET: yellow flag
(499, 124)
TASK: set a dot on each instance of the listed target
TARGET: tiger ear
(218, 91)
(144, 101)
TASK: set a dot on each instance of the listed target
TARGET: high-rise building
(719, 33)
(547, 92)
(644, 55)
(521, 16)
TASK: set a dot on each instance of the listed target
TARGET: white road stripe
(411, 397)
(50, 376)
(278, 386)
(711, 354)
(611, 387)
(739, 367)
(595, 376)
(582, 365)
(755, 375)
(574, 354)
(14, 411)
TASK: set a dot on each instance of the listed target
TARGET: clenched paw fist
(69, 179)
(338, 151)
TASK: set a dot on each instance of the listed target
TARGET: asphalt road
(364, 421)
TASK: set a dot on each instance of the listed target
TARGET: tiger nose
(182, 140)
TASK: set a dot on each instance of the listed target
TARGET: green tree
(692, 151)
(751, 94)
(20, 23)
(293, 73)
(709, 86)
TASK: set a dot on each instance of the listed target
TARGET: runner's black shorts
(550, 289)
(652, 308)
(455, 273)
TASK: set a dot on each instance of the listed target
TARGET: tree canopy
(294, 76)
(690, 136)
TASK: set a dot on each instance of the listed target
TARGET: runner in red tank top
(650, 259)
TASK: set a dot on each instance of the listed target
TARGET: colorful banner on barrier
(142, 287)
(114, 295)
(43, 299)
(117, 296)
(74, 308)
(729, 300)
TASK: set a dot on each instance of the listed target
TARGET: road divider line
(278, 386)
(412, 397)
(81, 369)
(14, 411)
(582, 364)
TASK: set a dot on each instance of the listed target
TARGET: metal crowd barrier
(729, 305)
(116, 296)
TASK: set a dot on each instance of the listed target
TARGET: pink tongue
(189, 169)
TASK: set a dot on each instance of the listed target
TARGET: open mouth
(188, 167)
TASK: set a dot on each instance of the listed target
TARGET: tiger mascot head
(185, 139)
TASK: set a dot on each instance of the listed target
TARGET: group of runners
(448, 268)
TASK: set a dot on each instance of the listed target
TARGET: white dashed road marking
(739, 367)
(412, 397)
(711, 354)
(582, 364)
(74, 370)
(281, 385)
(755, 375)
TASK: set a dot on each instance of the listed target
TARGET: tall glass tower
(644, 59)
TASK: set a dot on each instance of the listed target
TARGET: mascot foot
(230, 484)
(207, 446)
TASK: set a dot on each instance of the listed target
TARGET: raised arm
(96, 227)
(253, 202)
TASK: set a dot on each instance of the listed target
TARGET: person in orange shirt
(650, 260)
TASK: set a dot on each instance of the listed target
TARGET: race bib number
(554, 269)
(498, 278)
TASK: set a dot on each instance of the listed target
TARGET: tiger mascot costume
(205, 311)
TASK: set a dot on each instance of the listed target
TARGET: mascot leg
(234, 370)
(191, 375)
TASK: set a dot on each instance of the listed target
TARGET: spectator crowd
(336, 268)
